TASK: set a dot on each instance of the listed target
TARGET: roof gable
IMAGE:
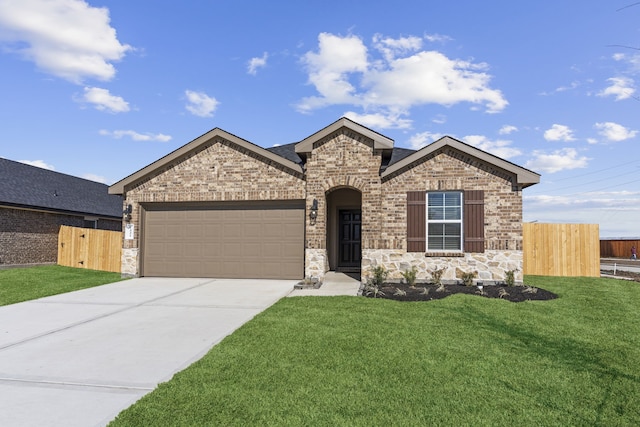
(525, 177)
(118, 187)
(379, 141)
(27, 186)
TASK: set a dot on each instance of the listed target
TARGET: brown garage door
(228, 240)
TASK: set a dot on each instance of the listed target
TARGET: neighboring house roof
(525, 177)
(31, 187)
(118, 187)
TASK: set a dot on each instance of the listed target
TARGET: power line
(598, 171)
(587, 183)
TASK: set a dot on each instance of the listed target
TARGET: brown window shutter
(474, 221)
(416, 221)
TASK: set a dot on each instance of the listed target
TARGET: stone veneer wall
(217, 171)
(450, 169)
(342, 159)
(490, 265)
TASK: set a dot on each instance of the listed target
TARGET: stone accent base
(491, 265)
(130, 262)
(316, 263)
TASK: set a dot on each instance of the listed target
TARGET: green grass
(24, 284)
(460, 361)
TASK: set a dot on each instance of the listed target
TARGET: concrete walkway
(333, 284)
(78, 359)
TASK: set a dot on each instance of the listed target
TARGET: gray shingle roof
(288, 151)
(23, 185)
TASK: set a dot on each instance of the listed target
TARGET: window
(444, 221)
(90, 222)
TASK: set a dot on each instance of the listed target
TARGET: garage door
(227, 240)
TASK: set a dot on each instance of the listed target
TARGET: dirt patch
(428, 292)
(621, 273)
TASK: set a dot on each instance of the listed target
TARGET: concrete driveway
(78, 359)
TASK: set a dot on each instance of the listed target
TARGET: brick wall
(449, 169)
(217, 171)
(30, 237)
(342, 159)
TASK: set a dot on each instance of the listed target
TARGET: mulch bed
(429, 292)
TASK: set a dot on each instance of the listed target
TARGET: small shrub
(373, 290)
(510, 277)
(376, 281)
(378, 276)
(467, 278)
(410, 276)
(399, 292)
(436, 276)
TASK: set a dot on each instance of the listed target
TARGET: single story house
(35, 202)
(342, 199)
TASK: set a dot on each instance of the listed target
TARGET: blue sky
(102, 89)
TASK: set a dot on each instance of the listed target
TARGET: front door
(349, 246)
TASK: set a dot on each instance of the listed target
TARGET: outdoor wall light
(314, 210)
(127, 212)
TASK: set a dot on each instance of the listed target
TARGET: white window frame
(446, 221)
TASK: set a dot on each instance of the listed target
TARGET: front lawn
(24, 284)
(462, 360)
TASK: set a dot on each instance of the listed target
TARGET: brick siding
(217, 171)
(31, 237)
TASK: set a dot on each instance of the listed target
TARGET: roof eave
(380, 142)
(524, 177)
(118, 187)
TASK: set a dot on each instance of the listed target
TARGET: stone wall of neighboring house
(342, 159)
(31, 237)
(217, 171)
(449, 169)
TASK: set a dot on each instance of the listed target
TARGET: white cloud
(257, 62)
(439, 119)
(96, 178)
(38, 163)
(102, 100)
(433, 38)
(615, 132)
(379, 120)
(621, 88)
(343, 71)
(559, 133)
(556, 161)
(200, 104)
(431, 78)
(423, 139)
(66, 38)
(507, 129)
(390, 48)
(328, 70)
(136, 136)
(500, 148)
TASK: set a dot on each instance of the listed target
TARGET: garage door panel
(219, 242)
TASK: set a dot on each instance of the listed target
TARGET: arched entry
(344, 226)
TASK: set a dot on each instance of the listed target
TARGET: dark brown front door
(349, 246)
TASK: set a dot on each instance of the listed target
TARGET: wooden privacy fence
(89, 248)
(561, 249)
(618, 248)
